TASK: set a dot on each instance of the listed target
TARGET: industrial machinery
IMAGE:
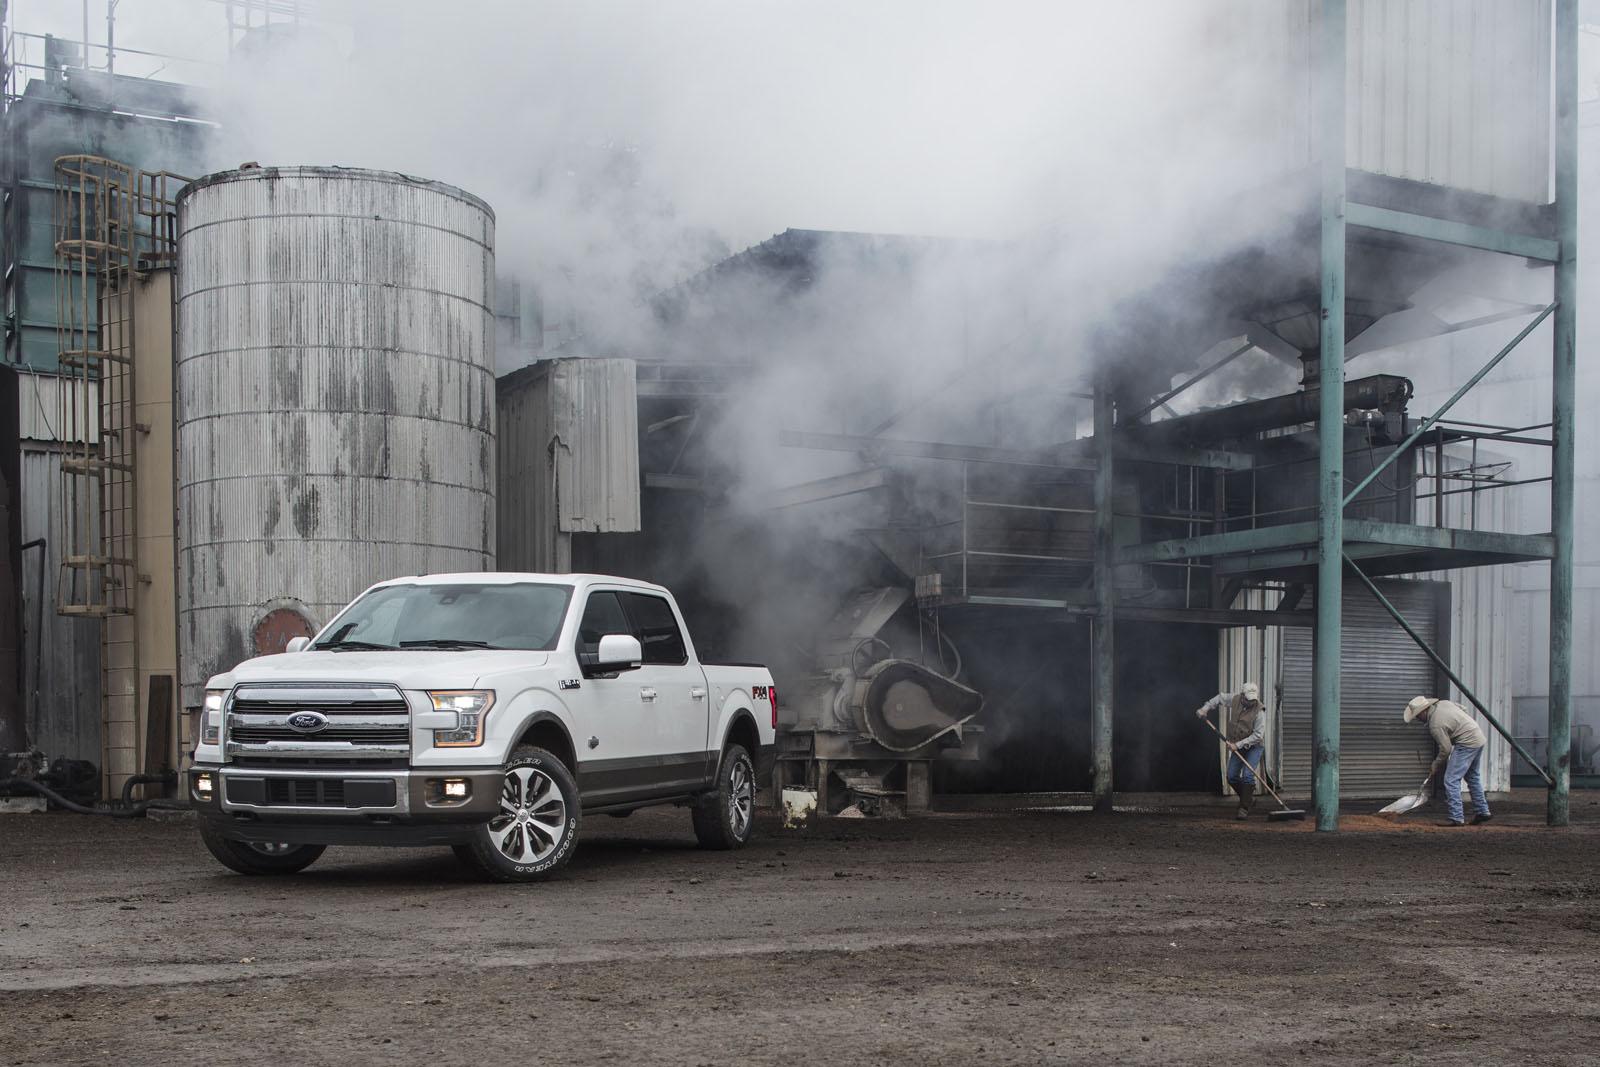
(884, 702)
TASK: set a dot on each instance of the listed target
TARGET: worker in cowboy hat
(1460, 756)
(1245, 727)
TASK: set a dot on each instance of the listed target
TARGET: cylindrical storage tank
(335, 399)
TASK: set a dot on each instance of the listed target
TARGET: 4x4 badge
(569, 683)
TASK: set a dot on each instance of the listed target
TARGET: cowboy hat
(1419, 705)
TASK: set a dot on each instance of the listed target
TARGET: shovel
(1410, 802)
(1285, 812)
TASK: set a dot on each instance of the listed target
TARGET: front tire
(263, 858)
(724, 817)
(536, 829)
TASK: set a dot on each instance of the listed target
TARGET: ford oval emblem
(308, 722)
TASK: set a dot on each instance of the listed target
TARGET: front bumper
(319, 804)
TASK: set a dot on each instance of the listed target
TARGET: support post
(1563, 391)
(1330, 423)
(1101, 640)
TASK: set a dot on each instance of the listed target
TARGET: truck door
(674, 690)
(613, 719)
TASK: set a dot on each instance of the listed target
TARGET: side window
(601, 615)
(657, 628)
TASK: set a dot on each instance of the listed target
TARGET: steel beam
(1233, 542)
(1431, 228)
(1193, 380)
(1563, 413)
(889, 446)
(1439, 662)
(1427, 423)
(831, 488)
(1102, 640)
(1328, 640)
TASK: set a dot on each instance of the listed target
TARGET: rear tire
(253, 858)
(724, 817)
(536, 830)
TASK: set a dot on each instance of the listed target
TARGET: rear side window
(602, 615)
(657, 629)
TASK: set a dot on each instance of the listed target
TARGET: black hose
(131, 811)
(166, 778)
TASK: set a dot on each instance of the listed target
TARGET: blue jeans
(1242, 771)
(1464, 762)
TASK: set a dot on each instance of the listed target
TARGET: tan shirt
(1451, 726)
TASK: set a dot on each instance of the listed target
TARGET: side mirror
(297, 644)
(617, 652)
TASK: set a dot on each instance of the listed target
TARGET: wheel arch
(546, 730)
(742, 729)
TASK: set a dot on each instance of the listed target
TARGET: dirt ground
(1162, 936)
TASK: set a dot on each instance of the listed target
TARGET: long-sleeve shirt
(1451, 726)
(1231, 702)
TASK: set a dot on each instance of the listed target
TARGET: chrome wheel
(273, 848)
(533, 816)
(741, 796)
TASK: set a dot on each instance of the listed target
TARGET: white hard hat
(1250, 691)
(1419, 705)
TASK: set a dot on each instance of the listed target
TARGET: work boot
(1247, 795)
(1480, 819)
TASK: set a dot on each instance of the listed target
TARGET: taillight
(772, 694)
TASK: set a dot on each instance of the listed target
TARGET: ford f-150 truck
(487, 712)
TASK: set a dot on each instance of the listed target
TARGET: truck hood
(410, 669)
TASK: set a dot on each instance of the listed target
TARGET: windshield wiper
(446, 643)
(353, 646)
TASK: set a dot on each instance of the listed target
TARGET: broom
(1284, 813)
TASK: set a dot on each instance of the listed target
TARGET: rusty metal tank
(335, 398)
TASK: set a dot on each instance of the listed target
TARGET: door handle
(647, 694)
(698, 694)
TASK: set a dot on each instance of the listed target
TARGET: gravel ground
(1170, 935)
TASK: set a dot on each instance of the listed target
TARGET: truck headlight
(211, 717)
(471, 707)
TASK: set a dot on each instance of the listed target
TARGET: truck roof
(509, 577)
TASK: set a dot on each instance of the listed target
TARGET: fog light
(202, 786)
(447, 792)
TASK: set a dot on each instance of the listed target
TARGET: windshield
(521, 615)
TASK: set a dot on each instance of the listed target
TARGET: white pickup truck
(488, 712)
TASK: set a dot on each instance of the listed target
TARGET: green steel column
(1330, 424)
(1102, 648)
(1563, 391)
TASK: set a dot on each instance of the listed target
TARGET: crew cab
(487, 712)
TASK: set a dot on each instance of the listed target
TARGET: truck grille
(357, 722)
(366, 735)
(310, 792)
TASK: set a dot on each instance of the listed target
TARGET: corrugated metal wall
(335, 396)
(1453, 92)
(1254, 654)
(61, 655)
(568, 457)
(1481, 637)
(1380, 670)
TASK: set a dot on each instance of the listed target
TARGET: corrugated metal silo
(335, 398)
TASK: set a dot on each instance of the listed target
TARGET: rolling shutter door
(1380, 669)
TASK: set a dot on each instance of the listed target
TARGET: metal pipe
(1201, 376)
(1328, 635)
(1103, 628)
(1427, 423)
(1455, 678)
(38, 608)
(1563, 395)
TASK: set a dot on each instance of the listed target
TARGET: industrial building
(252, 394)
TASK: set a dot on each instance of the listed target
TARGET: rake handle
(1259, 775)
